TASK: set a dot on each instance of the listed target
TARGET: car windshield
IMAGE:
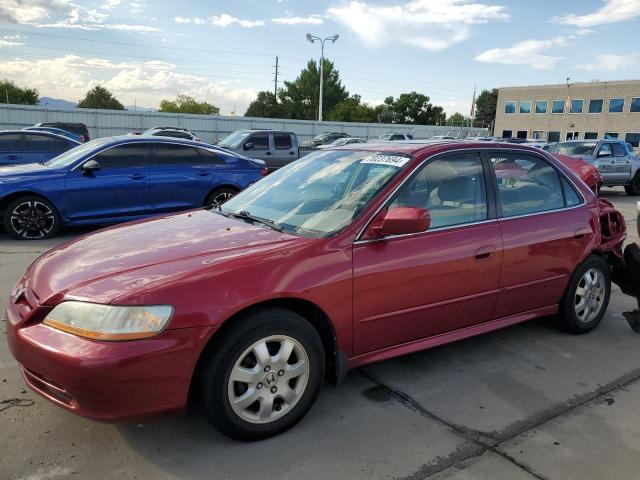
(234, 139)
(321, 193)
(70, 156)
(575, 148)
(340, 141)
(384, 137)
(322, 136)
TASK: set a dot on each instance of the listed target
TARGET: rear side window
(9, 142)
(64, 145)
(123, 156)
(282, 141)
(208, 157)
(618, 150)
(174, 154)
(260, 141)
(40, 143)
(452, 189)
(571, 197)
(526, 184)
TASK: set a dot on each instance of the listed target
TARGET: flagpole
(473, 106)
(567, 105)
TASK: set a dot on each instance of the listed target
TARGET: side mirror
(91, 166)
(248, 146)
(402, 221)
(604, 153)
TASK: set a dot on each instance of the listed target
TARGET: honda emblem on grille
(19, 294)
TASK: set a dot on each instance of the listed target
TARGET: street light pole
(312, 39)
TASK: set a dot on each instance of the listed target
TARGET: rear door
(615, 165)
(545, 228)
(284, 150)
(10, 148)
(119, 190)
(180, 177)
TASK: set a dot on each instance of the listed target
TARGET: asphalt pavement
(527, 402)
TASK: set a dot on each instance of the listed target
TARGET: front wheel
(31, 218)
(264, 376)
(633, 189)
(587, 296)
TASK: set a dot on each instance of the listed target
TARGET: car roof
(413, 147)
(41, 132)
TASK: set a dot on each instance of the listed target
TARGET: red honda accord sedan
(344, 257)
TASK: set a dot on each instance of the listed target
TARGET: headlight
(109, 322)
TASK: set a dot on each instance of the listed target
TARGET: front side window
(259, 141)
(576, 106)
(616, 105)
(175, 154)
(541, 106)
(526, 184)
(525, 106)
(595, 106)
(282, 141)
(320, 194)
(123, 156)
(452, 189)
(557, 106)
(605, 150)
(635, 104)
(618, 150)
(40, 143)
(509, 107)
(9, 142)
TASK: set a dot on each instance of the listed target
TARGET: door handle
(12, 157)
(484, 253)
(203, 173)
(268, 154)
(580, 233)
(292, 153)
(136, 176)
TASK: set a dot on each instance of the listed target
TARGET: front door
(408, 287)
(258, 145)
(118, 190)
(544, 239)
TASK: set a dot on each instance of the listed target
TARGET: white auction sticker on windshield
(393, 160)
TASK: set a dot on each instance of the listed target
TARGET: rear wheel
(264, 376)
(31, 218)
(216, 198)
(633, 189)
(587, 296)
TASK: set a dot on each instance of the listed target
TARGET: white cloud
(310, 20)
(528, 52)
(109, 4)
(26, 11)
(70, 77)
(223, 21)
(9, 43)
(429, 24)
(610, 62)
(612, 11)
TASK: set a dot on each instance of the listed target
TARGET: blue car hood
(26, 171)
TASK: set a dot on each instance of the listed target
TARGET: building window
(509, 107)
(573, 136)
(590, 135)
(541, 106)
(610, 135)
(576, 106)
(507, 133)
(557, 106)
(537, 135)
(554, 137)
(633, 139)
(616, 105)
(525, 106)
(595, 106)
(522, 134)
(635, 104)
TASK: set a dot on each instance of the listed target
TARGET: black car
(77, 128)
(323, 139)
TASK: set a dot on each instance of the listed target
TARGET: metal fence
(105, 123)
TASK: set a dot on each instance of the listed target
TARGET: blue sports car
(117, 179)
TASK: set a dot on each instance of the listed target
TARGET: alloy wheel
(219, 199)
(268, 379)
(590, 295)
(32, 219)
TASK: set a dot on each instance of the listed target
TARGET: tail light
(265, 172)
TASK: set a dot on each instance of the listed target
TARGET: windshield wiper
(244, 215)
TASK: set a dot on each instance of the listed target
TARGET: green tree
(265, 105)
(415, 108)
(486, 107)
(353, 110)
(299, 98)
(100, 97)
(11, 93)
(458, 120)
(187, 104)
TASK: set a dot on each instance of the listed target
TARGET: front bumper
(107, 381)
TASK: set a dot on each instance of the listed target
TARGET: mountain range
(59, 104)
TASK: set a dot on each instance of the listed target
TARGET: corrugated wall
(104, 123)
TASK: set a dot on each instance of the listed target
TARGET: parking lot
(527, 402)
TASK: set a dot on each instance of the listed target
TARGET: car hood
(23, 170)
(101, 266)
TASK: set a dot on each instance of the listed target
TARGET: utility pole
(313, 39)
(275, 86)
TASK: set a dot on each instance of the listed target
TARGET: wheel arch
(335, 360)
(218, 186)
(10, 197)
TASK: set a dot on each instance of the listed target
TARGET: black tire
(215, 386)
(219, 196)
(568, 318)
(31, 218)
(633, 189)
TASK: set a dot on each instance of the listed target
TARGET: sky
(224, 51)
